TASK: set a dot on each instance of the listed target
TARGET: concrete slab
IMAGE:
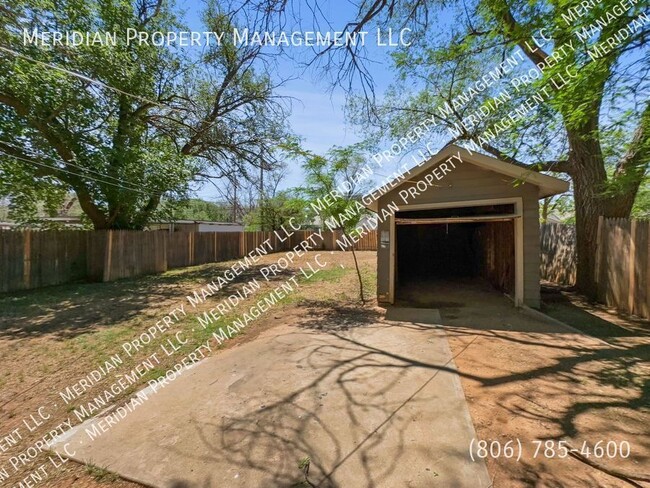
(414, 315)
(377, 405)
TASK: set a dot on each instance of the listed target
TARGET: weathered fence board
(557, 253)
(33, 259)
(132, 253)
(641, 267)
(622, 270)
(368, 242)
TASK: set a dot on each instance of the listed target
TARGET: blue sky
(317, 114)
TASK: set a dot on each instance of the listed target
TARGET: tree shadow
(66, 311)
(579, 388)
(558, 302)
(371, 385)
(334, 316)
(366, 374)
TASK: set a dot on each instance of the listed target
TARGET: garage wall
(498, 248)
(469, 182)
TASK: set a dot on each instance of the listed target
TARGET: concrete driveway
(371, 403)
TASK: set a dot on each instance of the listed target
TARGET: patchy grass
(51, 338)
(102, 475)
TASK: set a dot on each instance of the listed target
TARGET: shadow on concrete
(365, 374)
(347, 401)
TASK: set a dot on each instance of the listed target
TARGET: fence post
(108, 255)
(165, 246)
(599, 250)
(631, 268)
(646, 307)
(189, 249)
(27, 258)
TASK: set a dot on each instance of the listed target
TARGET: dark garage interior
(457, 251)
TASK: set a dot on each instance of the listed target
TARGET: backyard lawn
(524, 378)
(51, 338)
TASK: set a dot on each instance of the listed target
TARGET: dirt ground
(50, 338)
(524, 378)
(528, 379)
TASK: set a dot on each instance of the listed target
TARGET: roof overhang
(548, 185)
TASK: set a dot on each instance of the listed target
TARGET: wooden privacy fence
(33, 259)
(622, 270)
(623, 265)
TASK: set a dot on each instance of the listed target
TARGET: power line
(73, 173)
(68, 163)
(94, 81)
(82, 77)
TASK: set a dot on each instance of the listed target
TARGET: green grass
(100, 474)
(331, 274)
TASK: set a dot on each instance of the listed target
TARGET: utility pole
(261, 199)
(234, 202)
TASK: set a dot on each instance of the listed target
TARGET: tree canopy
(558, 85)
(127, 125)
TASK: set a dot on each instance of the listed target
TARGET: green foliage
(337, 172)
(303, 464)
(641, 209)
(560, 206)
(334, 186)
(596, 102)
(285, 209)
(197, 209)
(171, 118)
(101, 474)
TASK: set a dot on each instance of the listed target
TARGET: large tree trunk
(589, 183)
(95, 215)
(588, 208)
(589, 177)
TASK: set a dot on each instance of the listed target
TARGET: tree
(125, 126)
(641, 209)
(197, 209)
(561, 205)
(272, 213)
(338, 171)
(577, 72)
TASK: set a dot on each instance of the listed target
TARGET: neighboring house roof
(553, 219)
(548, 185)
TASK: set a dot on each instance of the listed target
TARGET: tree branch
(514, 31)
(556, 166)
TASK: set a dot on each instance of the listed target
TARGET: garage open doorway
(467, 247)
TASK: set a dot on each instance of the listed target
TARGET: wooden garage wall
(498, 246)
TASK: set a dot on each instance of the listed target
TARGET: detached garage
(459, 217)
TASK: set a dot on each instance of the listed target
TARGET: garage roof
(548, 185)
